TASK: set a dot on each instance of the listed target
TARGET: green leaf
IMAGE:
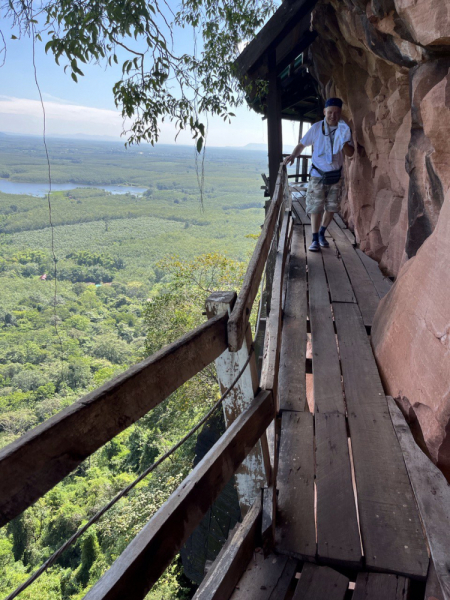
(74, 77)
(199, 144)
(14, 37)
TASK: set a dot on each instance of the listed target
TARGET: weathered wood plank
(340, 287)
(265, 579)
(328, 395)
(337, 525)
(433, 590)
(320, 583)
(268, 520)
(292, 381)
(229, 566)
(272, 341)
(380, 586)
(350, 236)
(33, 464)
(391, 530)
(363, 287)
(295, 531)
(304, 218)
(147, 556)
(382, 284)
(338, 219)
(241, 312)
(432, 493)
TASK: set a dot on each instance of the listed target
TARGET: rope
(52, 227)
(54, 557)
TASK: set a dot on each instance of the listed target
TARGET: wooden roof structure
(275, 56)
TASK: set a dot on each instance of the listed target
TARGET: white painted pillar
(251, 475)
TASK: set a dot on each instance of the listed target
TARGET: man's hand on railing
(289, 160)
(295, 154)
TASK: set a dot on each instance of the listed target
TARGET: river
(41, 189)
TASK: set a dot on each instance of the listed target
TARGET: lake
(41, 189)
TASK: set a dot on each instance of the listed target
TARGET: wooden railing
(302, 175)
(36, 462)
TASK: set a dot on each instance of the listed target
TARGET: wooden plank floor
(292, 380)
(295, 531)
(351, 429)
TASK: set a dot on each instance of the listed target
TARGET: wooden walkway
(347, 522)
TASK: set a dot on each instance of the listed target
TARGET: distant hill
(255, 146)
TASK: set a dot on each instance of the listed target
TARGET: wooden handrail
(239, 318)
(37, 461)
(272, 341)
(148, 555)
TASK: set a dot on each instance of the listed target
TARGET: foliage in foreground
(33, 536)
(157, 81)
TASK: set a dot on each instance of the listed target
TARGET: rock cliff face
(389, 60)
(383, 58)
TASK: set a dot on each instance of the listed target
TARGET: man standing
(331, 140)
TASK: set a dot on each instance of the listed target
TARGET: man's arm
(348, 150)
(289, 160)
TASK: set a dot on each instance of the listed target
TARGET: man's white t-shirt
(314, 137)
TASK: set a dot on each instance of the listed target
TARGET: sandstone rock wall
(383, 57)
(390, 62)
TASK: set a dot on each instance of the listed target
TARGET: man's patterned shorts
(320, 197)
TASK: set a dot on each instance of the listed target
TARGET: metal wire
(54, 557)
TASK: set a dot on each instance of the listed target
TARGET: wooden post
(274, 130)
(255, 471)
(297, 166)
(304, 168)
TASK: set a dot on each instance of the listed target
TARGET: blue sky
(87, 107)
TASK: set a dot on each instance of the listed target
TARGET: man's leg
(315, 201)
(316, 221)
(333, 195)
(326, 220)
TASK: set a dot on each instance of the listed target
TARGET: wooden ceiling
(287, 34)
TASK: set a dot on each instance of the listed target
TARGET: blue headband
(333, 102)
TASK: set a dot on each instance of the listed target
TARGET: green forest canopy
(154, 259)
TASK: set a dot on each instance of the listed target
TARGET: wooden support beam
(238, 320)
(33, 464)
(278, 26)
(274, 127)
(229, 566)
(148, 555)
(255, 471)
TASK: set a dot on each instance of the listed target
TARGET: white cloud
(22, 115)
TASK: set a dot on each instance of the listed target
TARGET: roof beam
(278, 26)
